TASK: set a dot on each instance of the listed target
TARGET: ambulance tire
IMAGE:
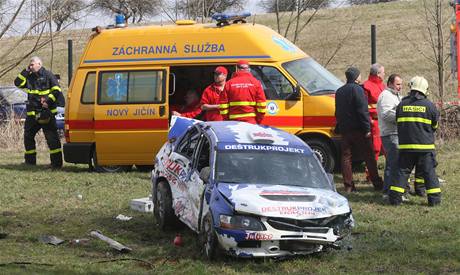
(162, 210)
(323, 151)
(208, 239)
(107, 169)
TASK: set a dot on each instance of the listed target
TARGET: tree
(66, 12)
(271, 6)
(363, 2)
(194, 9)
(24, 43)
(137, 10)
(295, 11)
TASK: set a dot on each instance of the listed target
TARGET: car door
(284, 106)
(131, 115)
(195, 185)
(179, 170)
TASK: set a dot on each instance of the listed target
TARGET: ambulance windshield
(271, 168)
(313, 77)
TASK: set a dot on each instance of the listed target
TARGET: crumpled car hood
(284, 201)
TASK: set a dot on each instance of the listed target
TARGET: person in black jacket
(417, 120)
(352, 115)
(43, 91)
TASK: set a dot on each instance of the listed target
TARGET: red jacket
(243, 99)
(211, 96)
(373, 86)
(187, 111)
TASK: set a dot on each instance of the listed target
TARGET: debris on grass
(122, 217)
(144, 205)
(114, 244)
(49, 239)
(83, 241)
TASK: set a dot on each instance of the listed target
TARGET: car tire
(323, 151)
(107, 169)
(208, 239)
(162, 210)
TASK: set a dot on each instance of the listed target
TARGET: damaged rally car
(249, 190)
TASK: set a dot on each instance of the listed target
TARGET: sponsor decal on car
(294, 210)
(256, 236)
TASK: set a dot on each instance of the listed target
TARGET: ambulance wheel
(162, 210)
(107, 169)
(323, 152)
(208, 239)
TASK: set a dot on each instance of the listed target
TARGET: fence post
(373, 44)
(69, 61)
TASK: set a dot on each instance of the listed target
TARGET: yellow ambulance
(119, 100)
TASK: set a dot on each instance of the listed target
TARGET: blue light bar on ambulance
(226, 17)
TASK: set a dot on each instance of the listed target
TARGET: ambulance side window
(275, 84)
(87, 95)
(188, 143)
(131, 87)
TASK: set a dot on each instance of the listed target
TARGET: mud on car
(247, 190)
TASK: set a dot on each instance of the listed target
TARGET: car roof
(234, 132)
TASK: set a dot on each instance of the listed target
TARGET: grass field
(36, 201)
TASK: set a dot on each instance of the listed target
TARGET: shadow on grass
(41, 168)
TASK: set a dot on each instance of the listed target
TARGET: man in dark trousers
(417, 120)
(43, 91)
(352, 115)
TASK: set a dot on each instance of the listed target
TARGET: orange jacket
(243, 99)
(373, 86)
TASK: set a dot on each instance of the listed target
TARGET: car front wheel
(163, 211)
(208, 238)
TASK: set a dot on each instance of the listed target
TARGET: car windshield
(271, 168)
(313, 77)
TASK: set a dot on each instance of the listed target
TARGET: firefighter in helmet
(417, 120)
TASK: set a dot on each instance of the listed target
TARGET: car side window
(188, 143)
(275, 84)
(122, 87)
(202, 157)
(87, 96)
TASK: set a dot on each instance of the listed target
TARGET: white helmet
(419, 83)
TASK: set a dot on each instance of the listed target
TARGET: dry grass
(12, 137)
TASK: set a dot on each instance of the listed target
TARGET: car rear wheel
(323, 151)
(107, 169)
(208, 239)
(162, 210)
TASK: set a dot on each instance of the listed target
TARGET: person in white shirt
(386, 111)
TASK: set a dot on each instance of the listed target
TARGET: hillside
(396, 22)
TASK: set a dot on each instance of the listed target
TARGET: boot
(378, 184)
(395, 198)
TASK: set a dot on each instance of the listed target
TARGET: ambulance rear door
(131, 114)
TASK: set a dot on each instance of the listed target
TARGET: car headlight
(241, 222)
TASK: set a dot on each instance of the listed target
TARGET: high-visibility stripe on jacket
(417, 120)
(42, 84)
(243, 99)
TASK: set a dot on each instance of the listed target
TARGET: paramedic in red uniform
(211, 95)
(373, 86)
(191, 109)
(243, 97)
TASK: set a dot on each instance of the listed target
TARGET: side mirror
(295, 94)
(205, 173)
